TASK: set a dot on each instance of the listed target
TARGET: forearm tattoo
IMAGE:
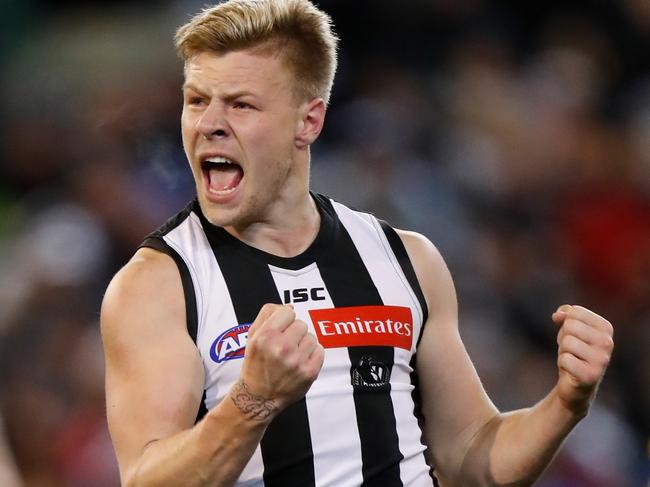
(254, 407)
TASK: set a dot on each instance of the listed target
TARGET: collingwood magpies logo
(370, 373)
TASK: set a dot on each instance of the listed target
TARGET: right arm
(154, 381)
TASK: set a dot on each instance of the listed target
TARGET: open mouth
(222, 175)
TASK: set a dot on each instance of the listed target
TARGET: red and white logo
(231, 344)
(360, 326)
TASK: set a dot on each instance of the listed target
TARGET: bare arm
(8, 472)
(154, 382)
(471, 442)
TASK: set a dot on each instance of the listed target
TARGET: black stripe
(416, 395)
(404, 261)
(174, 221)
(155, 241)
(407, 267)
(349, 284)
(203, 410)
(191, 316)
(286, 446)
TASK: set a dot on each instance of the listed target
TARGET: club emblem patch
(369, 372)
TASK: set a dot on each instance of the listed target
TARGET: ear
(312, 117)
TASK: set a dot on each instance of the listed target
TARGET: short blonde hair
(296, 29)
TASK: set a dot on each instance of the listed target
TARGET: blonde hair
(296, 29)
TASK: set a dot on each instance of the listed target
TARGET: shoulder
(418, 245)
(432, 273)
(147, 289)
(424, 255)
(149, 272)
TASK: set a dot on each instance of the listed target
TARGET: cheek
(186, 127)
(190, 119)
(188, 137)
(273, 129)
(274, 142)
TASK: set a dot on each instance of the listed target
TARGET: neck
(286, 233)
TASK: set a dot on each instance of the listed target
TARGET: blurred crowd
(516, 137)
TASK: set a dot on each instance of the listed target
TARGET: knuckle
(310, 340)
(268, 308)
(591, 377)
(262, 336)
(568, 341)
(300, 325)
(570, 326)
(567, 361)
(256, 341)
(608, 343)
(293, 363)
(251, 348)
(279, 350)
(563, 359)
(289, 312)
(305, 370)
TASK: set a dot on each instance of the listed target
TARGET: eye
(195, 100)
(241, 105)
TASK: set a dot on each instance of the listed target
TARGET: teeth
(218, 160)
(221, 191)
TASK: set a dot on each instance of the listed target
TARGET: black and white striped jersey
(357, 291)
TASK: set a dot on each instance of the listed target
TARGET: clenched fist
(282, 361)
(585, 348)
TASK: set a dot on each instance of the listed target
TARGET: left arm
(472, 443)
(8, 471)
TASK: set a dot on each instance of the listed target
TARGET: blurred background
(515, 135)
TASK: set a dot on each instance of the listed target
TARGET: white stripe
(185, 236)
(330, 403)
(398, 269)
(214, 306)
(394, 289)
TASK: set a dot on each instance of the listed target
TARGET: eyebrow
(191, 86)
(237, 94)
(227, 97)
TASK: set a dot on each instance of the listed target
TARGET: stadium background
(515, 135)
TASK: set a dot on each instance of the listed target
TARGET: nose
(212, 123)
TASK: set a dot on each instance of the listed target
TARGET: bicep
(454, 402)
(154, 376)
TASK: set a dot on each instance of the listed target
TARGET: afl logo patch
(231, 344)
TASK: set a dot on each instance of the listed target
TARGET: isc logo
(303, 294)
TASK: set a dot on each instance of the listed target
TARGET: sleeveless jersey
(357, 291)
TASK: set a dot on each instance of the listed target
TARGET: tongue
(225, 177)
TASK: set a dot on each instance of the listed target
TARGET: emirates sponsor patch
(362, 326)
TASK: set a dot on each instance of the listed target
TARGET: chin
(219, 217)
(222, 216)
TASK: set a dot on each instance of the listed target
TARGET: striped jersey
(357, 291)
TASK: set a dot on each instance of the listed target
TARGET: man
(267, 336)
